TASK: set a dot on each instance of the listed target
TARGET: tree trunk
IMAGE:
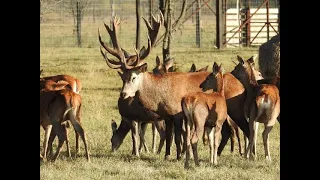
(79, 24)
(167, 36)
(198, 30)
(138, 24)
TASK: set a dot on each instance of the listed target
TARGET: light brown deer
(55, 108)
(262, 105)
(58, 82)
(205, 109)
(155, 93)
(74, 82)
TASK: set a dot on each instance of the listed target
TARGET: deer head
(162, 68)
(213, 80)
(244, 70)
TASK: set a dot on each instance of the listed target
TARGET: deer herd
(181, 106)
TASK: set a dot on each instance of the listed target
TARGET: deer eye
(133, 79)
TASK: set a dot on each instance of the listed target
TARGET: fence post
(220, 24)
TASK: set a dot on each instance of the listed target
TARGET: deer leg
(135, 134)
(266, 145)
(199, 126)
(250, 145)
(217, 134)
(45, 141)
(255, 135)
(177, 135)
(50, 141)
(160, 125)
(65, 131)
(143, 128)
(226, 133)
(169, 126)
(80, 131)
(61, 137)
(188, 143)
(154, 137)
(210, 131)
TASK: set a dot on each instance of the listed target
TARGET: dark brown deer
(130, 108)
(55, 108)
(262, 105)
(153, 91)
(205, 109)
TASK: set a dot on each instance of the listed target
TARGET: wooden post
(220, 22)
(198, 30)
(78, 24)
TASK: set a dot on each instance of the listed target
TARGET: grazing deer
(162, 94)
(55, 108)
(262, 105)
(201, 109)
(73, 82)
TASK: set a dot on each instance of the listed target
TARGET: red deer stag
(205, 109)
(55, 108)
(262, 105)
(130, 108)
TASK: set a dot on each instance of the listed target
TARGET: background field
(101, 86)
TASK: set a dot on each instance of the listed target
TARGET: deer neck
(250, 82)
(148, 90)
(220, 84)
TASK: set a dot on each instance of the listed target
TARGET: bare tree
(170, 27)
(77, 8)
(46, 6)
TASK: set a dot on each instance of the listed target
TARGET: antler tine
(146, 52)
(111, 63)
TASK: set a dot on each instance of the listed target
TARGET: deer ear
(215, 68)
(193, 68)
(113, 126)
(205, 68)
(252, 59)
(143, 67)
(221, 69)
(158, 61)
(169, 63)
(240, 59)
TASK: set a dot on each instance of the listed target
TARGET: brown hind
(55, 108)
(202, 110)
(262, 105)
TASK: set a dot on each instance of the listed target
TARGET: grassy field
(101, 86)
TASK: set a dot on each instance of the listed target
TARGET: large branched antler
(116, 50)
(128, 61)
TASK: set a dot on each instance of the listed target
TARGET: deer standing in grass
(205, 110)
(162, 94)
(55, 108)
(58, 82)
(262, 105)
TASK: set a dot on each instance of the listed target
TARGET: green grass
(100, 92)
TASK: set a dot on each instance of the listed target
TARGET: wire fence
(58, 22)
